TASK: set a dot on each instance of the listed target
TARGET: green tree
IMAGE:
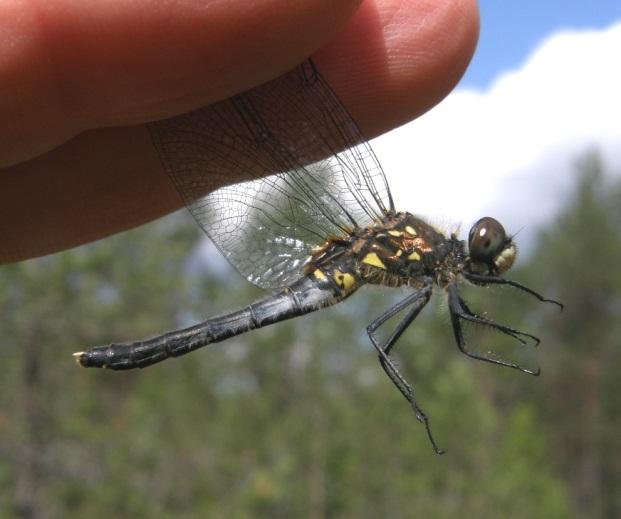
(295, 420)
(577, 260)
(54, 417)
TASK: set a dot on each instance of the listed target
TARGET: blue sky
(512, 29)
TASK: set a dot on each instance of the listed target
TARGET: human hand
(79, 78)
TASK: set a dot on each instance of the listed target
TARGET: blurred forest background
(298, 419)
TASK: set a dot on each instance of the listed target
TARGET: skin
(78, 80)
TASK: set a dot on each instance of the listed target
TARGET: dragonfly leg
(417, 301)
(459, 310)
(481, 279)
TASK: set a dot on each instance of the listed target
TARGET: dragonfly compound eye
(489, 245)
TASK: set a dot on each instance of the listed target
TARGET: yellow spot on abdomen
(373, 259)
(410, 230)
(344, 280)
(415, 256)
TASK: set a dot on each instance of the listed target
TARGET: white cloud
(510, 149)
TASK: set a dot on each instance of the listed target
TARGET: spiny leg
(418, 300)
(473, 317)
(421, 294)
(482, 279)
(458, 310)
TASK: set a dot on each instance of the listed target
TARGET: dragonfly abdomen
(310, 293)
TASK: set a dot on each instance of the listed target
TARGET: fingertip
(396, 59)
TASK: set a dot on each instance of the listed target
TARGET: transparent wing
(273, 172)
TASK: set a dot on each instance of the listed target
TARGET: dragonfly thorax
(403, 250)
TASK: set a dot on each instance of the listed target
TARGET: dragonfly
(310, 218)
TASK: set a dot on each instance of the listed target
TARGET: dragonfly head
(491, 251)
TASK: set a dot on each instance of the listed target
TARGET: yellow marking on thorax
(395, 233)
(415, 256)
(399, 252)
(373, 259)
(319, 275)
(410, 230)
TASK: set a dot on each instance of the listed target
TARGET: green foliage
(298, 420)
(579, 256)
